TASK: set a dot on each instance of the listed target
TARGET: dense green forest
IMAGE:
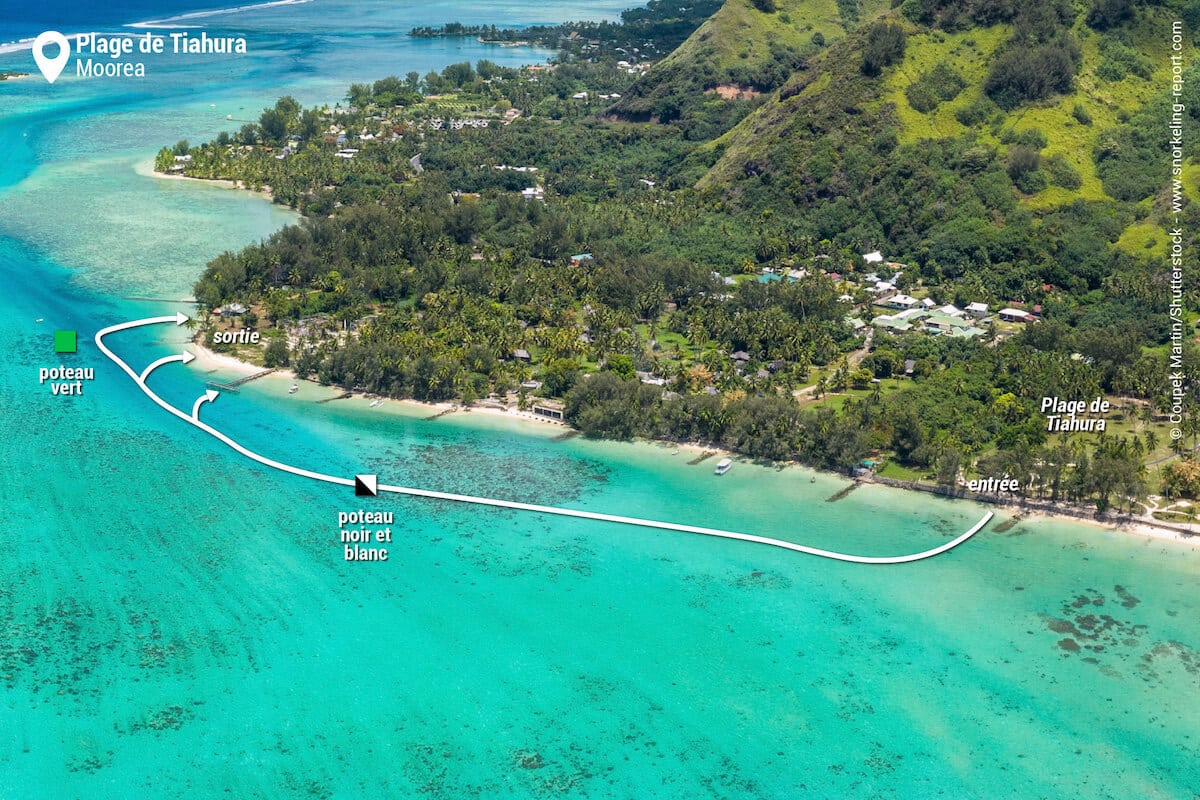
(672, 261)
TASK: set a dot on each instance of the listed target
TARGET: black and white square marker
(366, 486)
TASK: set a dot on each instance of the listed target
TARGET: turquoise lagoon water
(176, 621)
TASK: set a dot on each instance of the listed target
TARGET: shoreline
(1066, 512)
(1022, 508)
(209, 359)
(223, 183)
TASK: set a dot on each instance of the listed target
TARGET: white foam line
(27, 44)
(17, 46)
(486, 501)
(171, 21)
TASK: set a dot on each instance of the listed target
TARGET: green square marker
(64, 342)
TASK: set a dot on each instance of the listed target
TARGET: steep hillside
(747, 48)
(1092, 137)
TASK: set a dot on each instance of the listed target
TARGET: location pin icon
(51, 67)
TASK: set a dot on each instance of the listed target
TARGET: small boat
(723, 466)
(293, 388)
(40, 319)
(375, 403)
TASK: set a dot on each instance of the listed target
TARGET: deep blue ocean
(26, 20)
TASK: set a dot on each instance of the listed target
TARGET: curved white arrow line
(186, 358)
(485, 501)
(207, 397)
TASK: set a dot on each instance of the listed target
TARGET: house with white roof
(1015, 315)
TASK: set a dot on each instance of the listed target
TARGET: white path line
(485, 501)
(186, 358)
(207, 397)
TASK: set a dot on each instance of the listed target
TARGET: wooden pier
(187, 301)
(232, 386)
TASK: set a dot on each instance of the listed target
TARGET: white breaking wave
(17, 46)
(167, 22)
(174, 22)
(27, 44)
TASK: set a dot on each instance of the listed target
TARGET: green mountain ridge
(793, 145)
(835, 87)
(1006, 153)
(742, 47)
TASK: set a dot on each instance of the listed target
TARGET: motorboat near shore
(723, 466)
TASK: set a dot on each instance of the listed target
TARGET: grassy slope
(1147, 236)
(739, 35)
(971, 53)
(834, 82)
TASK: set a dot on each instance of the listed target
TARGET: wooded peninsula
(882, 241)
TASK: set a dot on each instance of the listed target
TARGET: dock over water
(232, 386)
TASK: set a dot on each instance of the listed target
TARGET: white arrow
(177, 318)
(185, 357)
(207, 397)
(210, 395)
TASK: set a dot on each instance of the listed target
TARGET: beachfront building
(548, 409)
